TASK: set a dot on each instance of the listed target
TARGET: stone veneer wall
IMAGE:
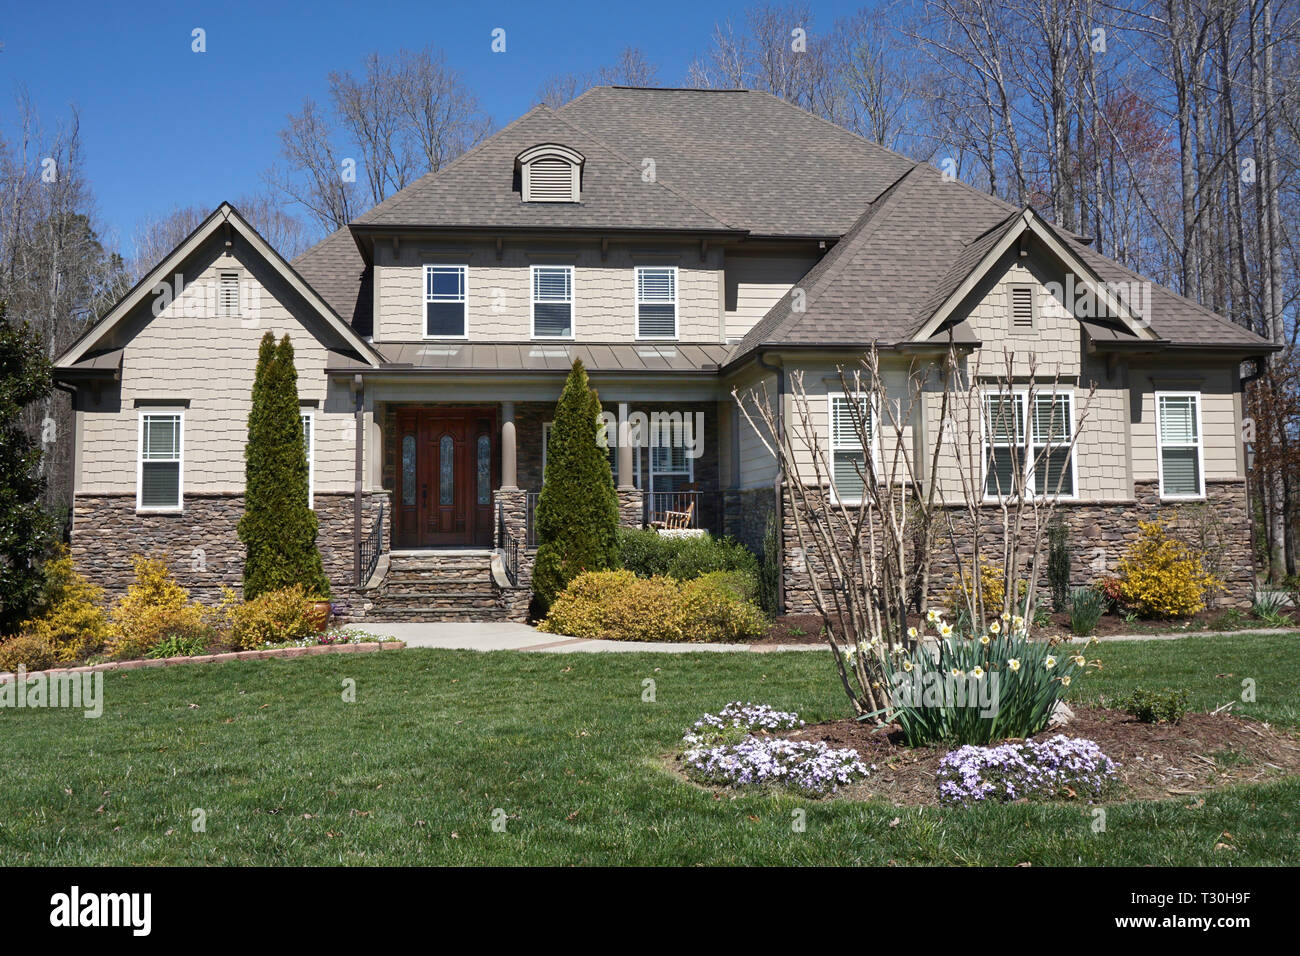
(1100, 533)
(202, 542)
(745, 513)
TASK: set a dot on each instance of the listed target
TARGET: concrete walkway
(506, 636)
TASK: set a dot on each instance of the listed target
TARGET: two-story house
(680, 243)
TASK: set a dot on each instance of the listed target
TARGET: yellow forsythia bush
(154, 608)
(993, 587)
(619, 606)
(73, 620)
(1161, 576)
(270, 618)
(29, 651)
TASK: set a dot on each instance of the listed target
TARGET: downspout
(72, 490)
(359, 413)
(778, 486)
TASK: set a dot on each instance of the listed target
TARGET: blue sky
(163, 126)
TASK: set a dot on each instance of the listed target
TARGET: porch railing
(372, 545)
(509, 545)
(666, 508)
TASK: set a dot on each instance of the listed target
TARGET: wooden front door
(446, 470)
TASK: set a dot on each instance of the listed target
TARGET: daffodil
(1049, 662)
(945, 630)
(1014, 664)
(977, 673)
(995, 627)
(1065, 681)
(1006, 615)
(932, 615)
(958, 672)
(1079, 659)
(984, 639)
(907, 665)
(911, 632)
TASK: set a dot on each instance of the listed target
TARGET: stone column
(509, 471)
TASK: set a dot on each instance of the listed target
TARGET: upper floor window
(848, 456)
(444, 301)
(656, 302)
(550, 173)
(1178, 434)
(552, 302)
(1029, 450)
(159, 477)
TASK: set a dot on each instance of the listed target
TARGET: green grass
(288, 773)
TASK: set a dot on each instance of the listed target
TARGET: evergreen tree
(577, 512)
(26, 528)
(278, 528)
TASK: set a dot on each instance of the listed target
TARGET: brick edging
(268, 653)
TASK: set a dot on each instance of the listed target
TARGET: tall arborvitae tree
(278, 528)
(25, 526)
(577, 513)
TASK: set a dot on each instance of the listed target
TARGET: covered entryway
(447, 462)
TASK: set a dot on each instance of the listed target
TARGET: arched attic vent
(550, 173)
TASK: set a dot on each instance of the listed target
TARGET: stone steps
(437, 586)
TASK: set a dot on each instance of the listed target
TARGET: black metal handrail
(372, 546)
(659, 503)
(509, 545)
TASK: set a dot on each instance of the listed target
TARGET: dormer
(550, 173)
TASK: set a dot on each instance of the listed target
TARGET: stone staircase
(452, 585)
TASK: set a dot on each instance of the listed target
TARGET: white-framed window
(159, 467)
(445, 310)
(847, 453)
(656, 302)
(227, 294)
(1181, 453)
(611, 452)
(1034, 441)
(309, 447)
(671, 469)
(552, 302)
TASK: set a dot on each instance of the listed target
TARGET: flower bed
(723, 749)
(1060, 766)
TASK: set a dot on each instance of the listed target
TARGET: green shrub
(1087, 605)
(1058, 564)
(648, 553)
(278, 528)
(1270, 607)
(769, 572)
(620, 606)
(1156, 707)
(743, 584)
(179, 645)
(72, 618)
(577, 512)
(272, 618)
(29, 651)
(154, 608)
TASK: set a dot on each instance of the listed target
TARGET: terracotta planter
(319, 615)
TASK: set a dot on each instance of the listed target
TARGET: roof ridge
(658, 180)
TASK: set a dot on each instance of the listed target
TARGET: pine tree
(577, 512)
(278, 528)
(26, 528)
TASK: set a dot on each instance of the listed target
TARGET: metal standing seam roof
(544, 357)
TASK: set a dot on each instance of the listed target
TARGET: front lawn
(286, 772)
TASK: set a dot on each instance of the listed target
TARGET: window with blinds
(553, 302)
(228, 293)
(848, 457)
(444, 301)
(160, 461)
(656, 302)
(671, 469)
(1029, 448)
(1022, 308)
(1179, 438)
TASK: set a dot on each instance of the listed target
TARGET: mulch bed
(1157, 761)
